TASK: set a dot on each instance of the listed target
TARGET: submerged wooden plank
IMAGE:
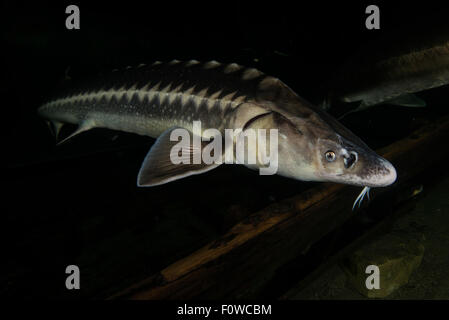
(241, 262)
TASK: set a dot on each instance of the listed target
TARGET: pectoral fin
(325, 104)
(361, 106)
(55, 127)
(407, 100)
(159, 168)
(83, 126)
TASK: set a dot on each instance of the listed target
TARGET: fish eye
(330, 156)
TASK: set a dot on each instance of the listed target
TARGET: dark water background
(78, 203)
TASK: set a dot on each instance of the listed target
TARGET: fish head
(321, 149)
(344, 158)
(343, 161)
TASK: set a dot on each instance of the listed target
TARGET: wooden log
(242, 261)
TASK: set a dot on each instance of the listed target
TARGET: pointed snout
(379, 173)
(388, 175)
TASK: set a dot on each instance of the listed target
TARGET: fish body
(380, 74)
(154, 99)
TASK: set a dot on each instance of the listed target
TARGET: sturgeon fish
(153, 100)
(392, 74)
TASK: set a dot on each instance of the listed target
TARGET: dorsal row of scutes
(249, 73)
(183, 75)
(225, 85)
(229, 67)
